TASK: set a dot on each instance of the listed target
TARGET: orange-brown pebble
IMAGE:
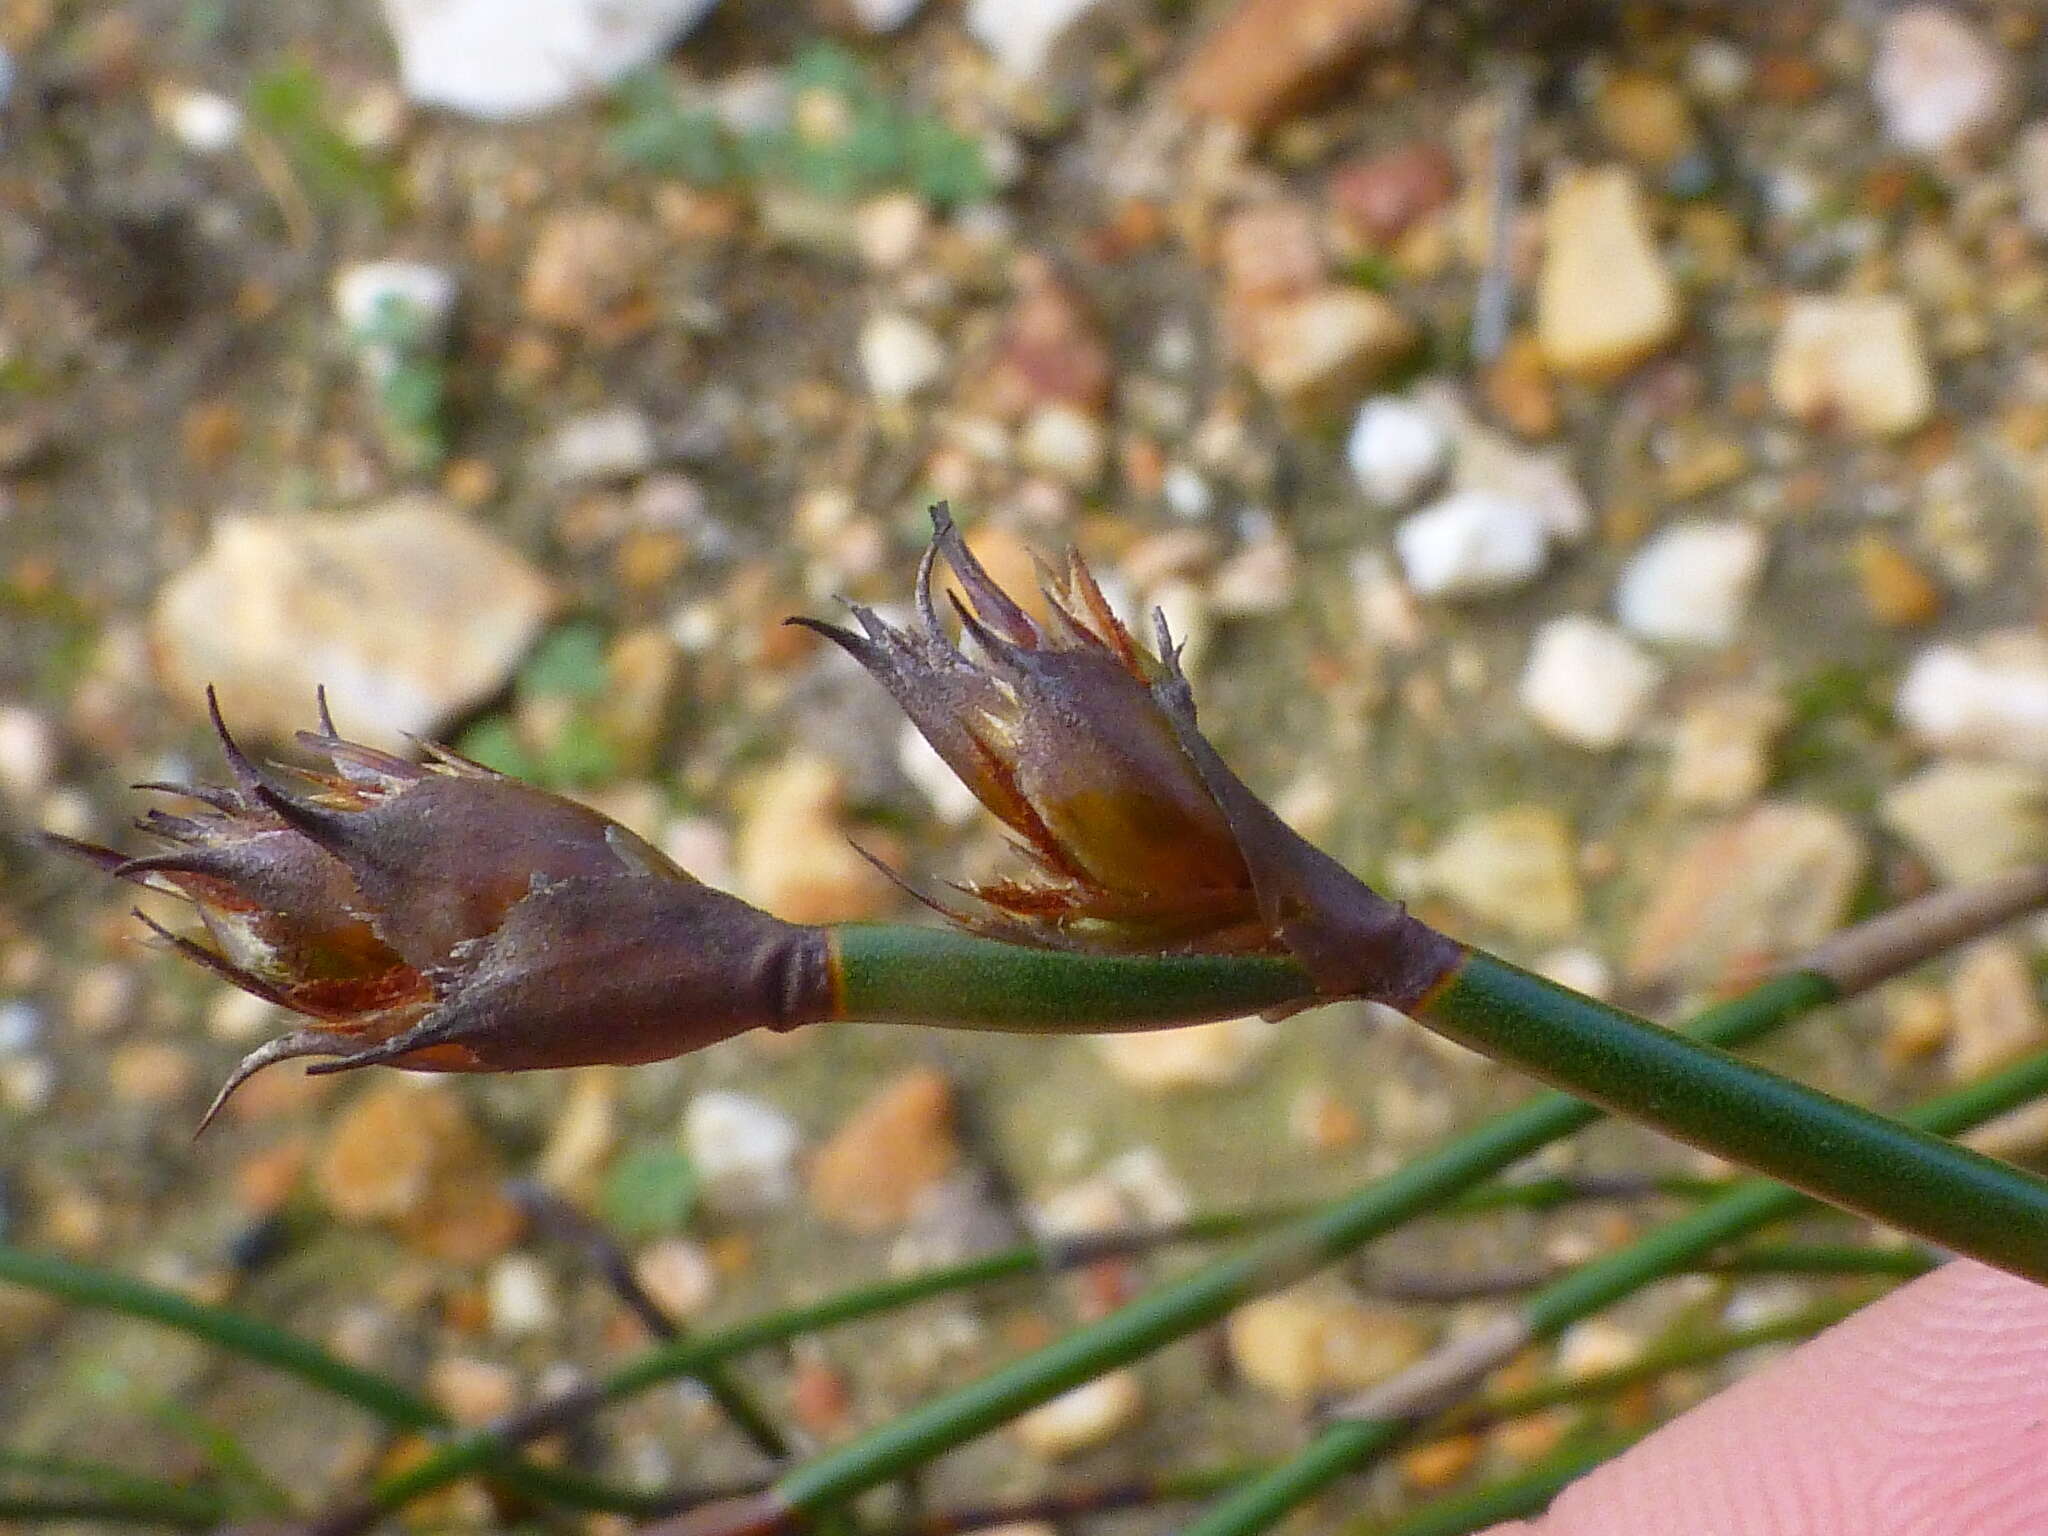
(1897, 590)
(1433, 1467)
(899, 1144)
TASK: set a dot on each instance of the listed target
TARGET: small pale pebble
(1747, 892)
(1088, 1416)
(1691, 583)
(1917, 1020)
(1996, 1008)
(679, 1275)
(1856, 361)
(1065, 442)
(1396, 450)
(1598, 1344)
(1213, 1055)
(1312, 350)
(1896, 589)
(1970, 820)
(21, 1025)
(508, 59)
(238, 1017)
(1387, 610)
(1721, 751)
(1989, 698)
(745, 1151)
(521, 1297)
(1513, 868)
(1587, 683)
(582, 1133)
(28, 752)
(889, 229)
(473, 1391)
(1604, 300)
(1485, 460)
(617, 442)
(899, 356)
(1258, 579)
(366, 292)
(1579, 969)
(1020, 34)
(1322, 1122)
(589, 266)
(896, 1147)
(1187, 494)
(1472, 543)
(150, 1072)
(202, 121)
(1302, 1343)
(792, 854)
(1936, 79)
(1149, 1186)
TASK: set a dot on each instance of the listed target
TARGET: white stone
(1937, 82)
(506, 59)
(408, 613)
(1514, 868)
(615, 443)
(1691, 583)
(883, 15)
(1064, 442)
(899, 356)
(1212, 1055)
(679, 1275)
(1472, 543)
(1396, 450)
(1604, 300)
(1485, 460)
(1021, 33)
(1857, 360)
(1971, 821)
(1187, 494)
(1587, 683)
(745, 1151)
(1083, 1418)
(28, 752)
(1989, 699)
(202, 121)
(365, 291)
(888, 229)
(520, 1296)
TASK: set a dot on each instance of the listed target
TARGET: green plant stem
(1205, 1481)
(387, 1400)
(99, 1491)
(183, 1513)
(1172, 1311)
(1842, 1154)
(1354, 1443)
(896, 974)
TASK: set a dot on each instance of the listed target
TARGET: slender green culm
(1353, 1444)
(895, 974)
(385, 1399)
(1175, 1310)
(1838, 1152)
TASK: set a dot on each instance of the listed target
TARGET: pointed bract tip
(239, 764)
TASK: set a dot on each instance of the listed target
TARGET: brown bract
(441, 917)
(1054, 726)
